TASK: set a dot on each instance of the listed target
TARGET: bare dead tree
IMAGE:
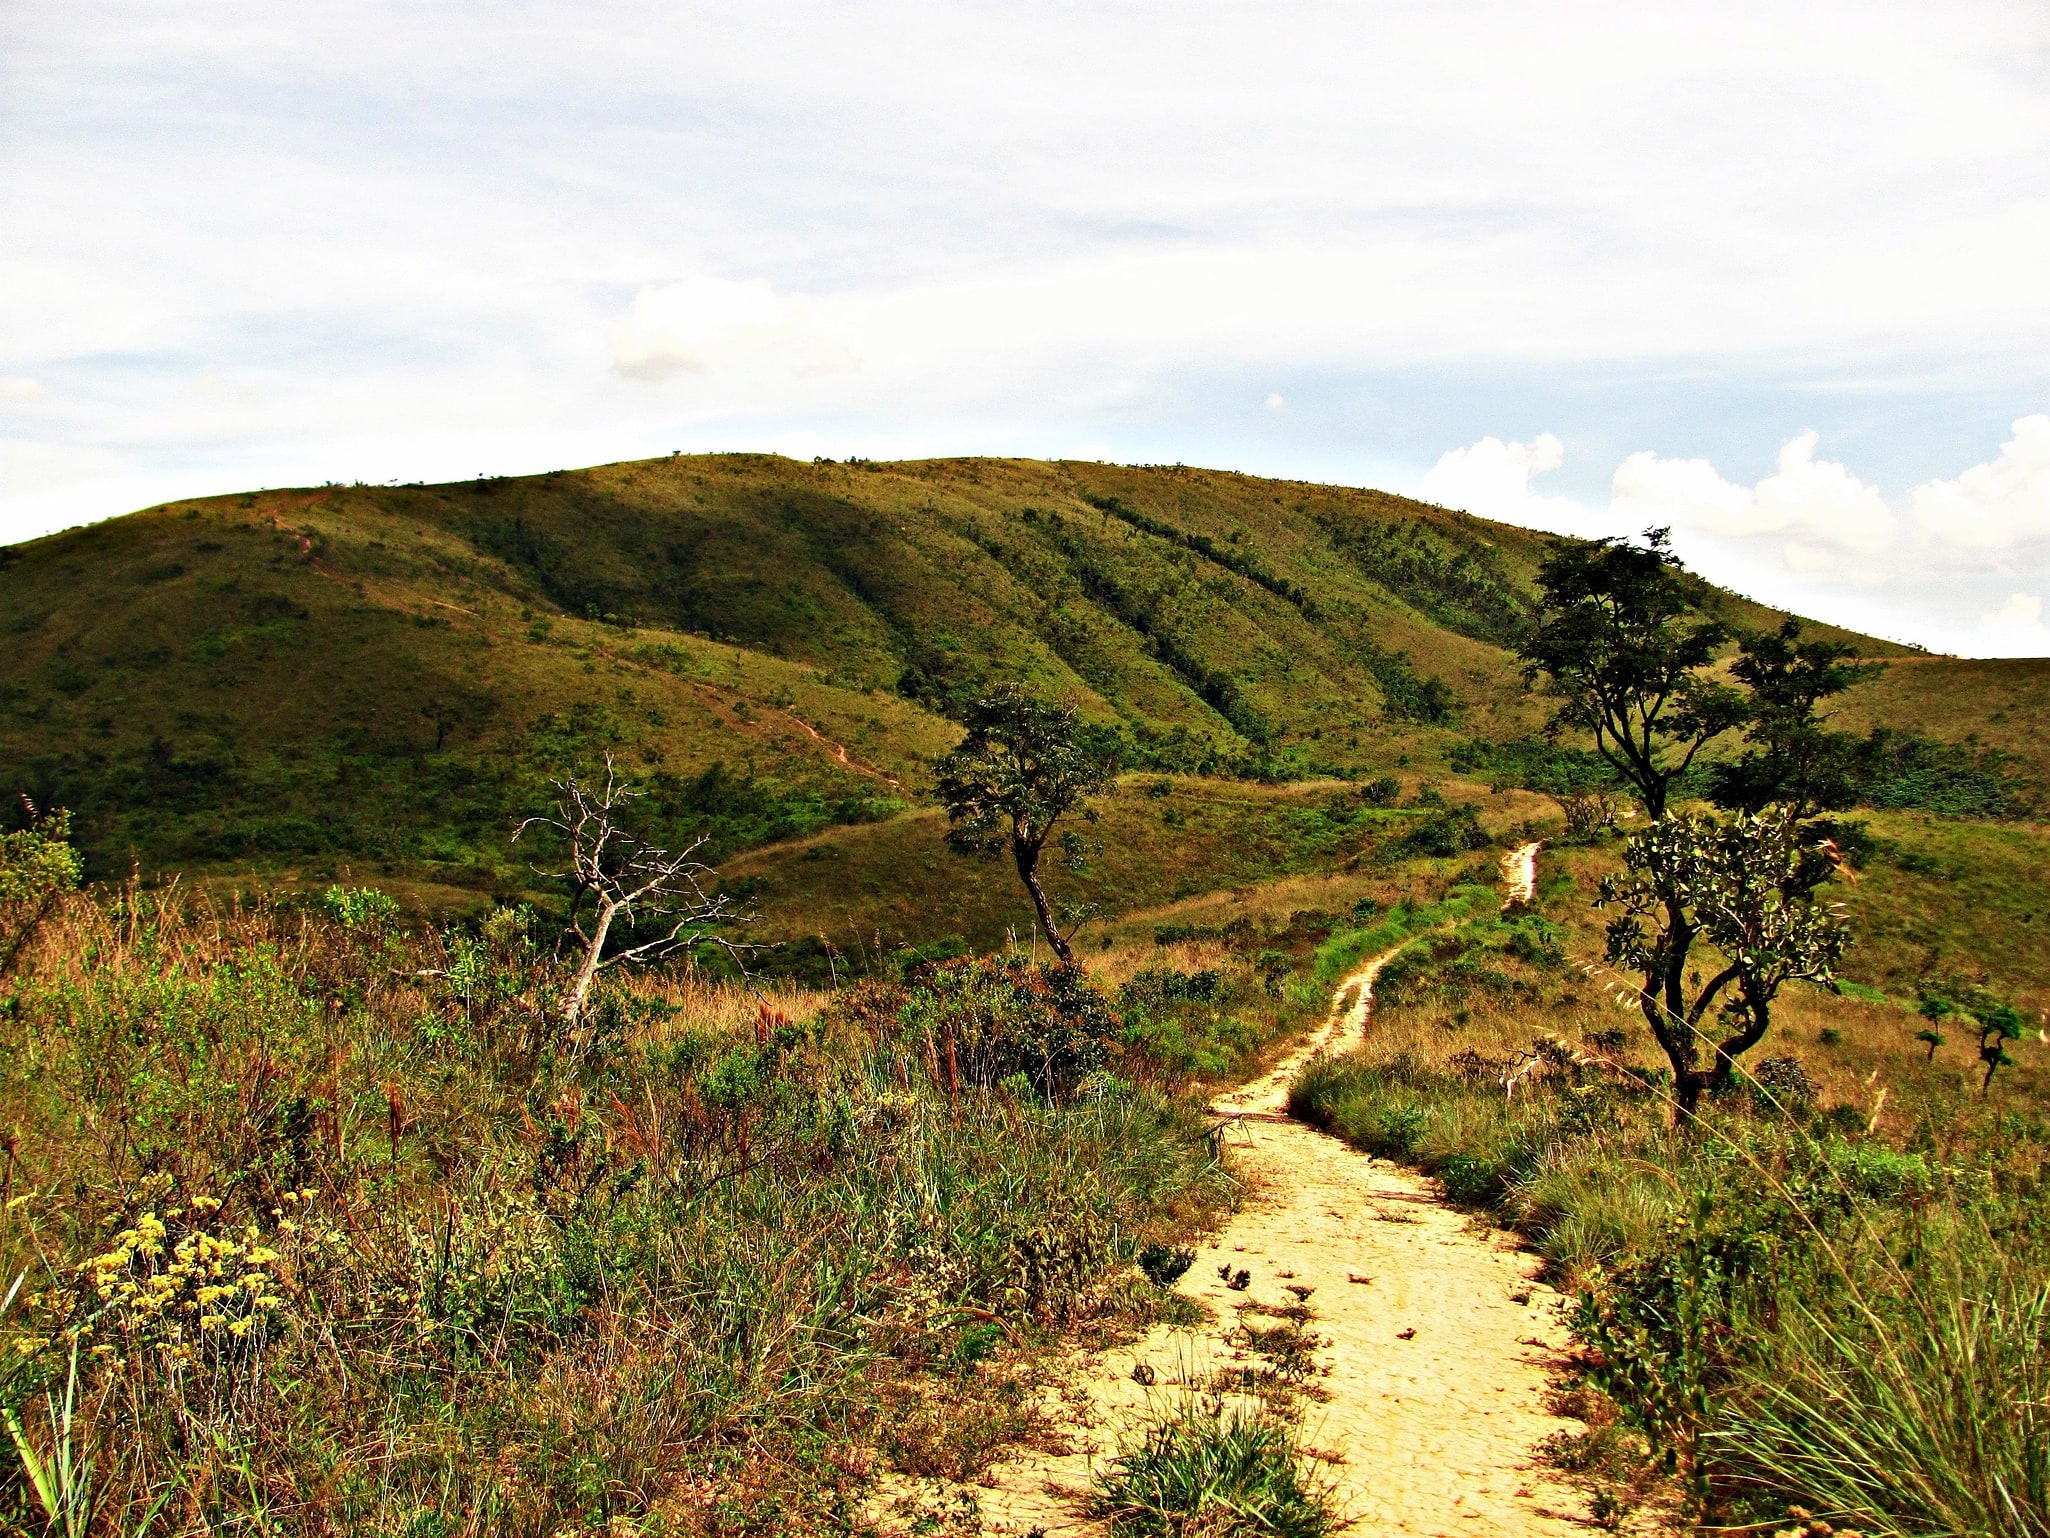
(618, 877)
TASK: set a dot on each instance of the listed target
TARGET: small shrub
(1164, 1265)
(1200, 1472)
(1471, 1180)
(994, 1016)
(1783, 1082)
(37, 866)
(362, 909)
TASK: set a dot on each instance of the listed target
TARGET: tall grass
(1931, 1418)
(348, 1237)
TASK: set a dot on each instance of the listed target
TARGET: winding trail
(1519, 876)
(1437, 1343)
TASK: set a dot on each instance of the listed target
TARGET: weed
(1200, 1471)
(1163, 1265)
(283, 1180)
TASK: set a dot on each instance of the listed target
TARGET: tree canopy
(1619, 644)
(1024, 764)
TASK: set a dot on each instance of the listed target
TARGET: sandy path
(1430, 1434)
(1519, 876)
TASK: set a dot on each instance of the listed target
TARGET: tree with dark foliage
(1024, 765)
(1620, 644)
(1795, 760)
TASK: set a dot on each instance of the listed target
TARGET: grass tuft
(1201, 1471)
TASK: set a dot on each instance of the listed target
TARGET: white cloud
(1275, 402)
(700, 324)
(1935, 564)
(2016, 628)
(1494, 479)
(1994, 506)
(1820, 515)
(15, 388)
(1650, 492)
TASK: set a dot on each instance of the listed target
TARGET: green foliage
(1447, 831)
(1794, 759)
(1996, 1020)
(562, 1290)
(1461, 581)
(362, 909)
(1199, 1471)
(1347, 948)
(1534, 763)
(1183, 1023)
(1747, 885)
(1163, 1265)
(1621, 647)
(1023, 766)
(992, 1017)
(1896, 769)
(38, 865)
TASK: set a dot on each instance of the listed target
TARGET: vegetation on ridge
(380, 680)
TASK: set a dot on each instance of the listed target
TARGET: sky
(1776, 276)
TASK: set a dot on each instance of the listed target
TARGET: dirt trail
(1519, 876)
(1437, 1340)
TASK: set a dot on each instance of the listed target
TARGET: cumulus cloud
(1820, 515)
(1497, 480)
(1814, 535)
(2016, 628)
(1996, 505)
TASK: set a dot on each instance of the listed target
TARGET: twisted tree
(618, 879)
(1749, 886)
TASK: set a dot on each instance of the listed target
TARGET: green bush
(995, 1016)
(1201, 1472)
(37, 867)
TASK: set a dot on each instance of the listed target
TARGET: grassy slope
(377, 681)
(857, 884)
(2002, 701)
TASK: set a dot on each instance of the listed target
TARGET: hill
(313, 683)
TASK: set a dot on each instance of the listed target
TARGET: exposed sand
(1433, 1434)
(1519, 876)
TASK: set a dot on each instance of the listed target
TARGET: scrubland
(1828, 1291)
(324, 1226)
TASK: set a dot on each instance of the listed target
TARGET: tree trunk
(594, 957)
(1727, 1052)
(1028, 872)
(1677, 1042)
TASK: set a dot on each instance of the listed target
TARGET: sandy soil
(1519, 876)
(1437, 1351)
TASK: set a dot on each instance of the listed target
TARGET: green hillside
(379, 680)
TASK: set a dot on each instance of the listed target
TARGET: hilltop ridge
(381, 678)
